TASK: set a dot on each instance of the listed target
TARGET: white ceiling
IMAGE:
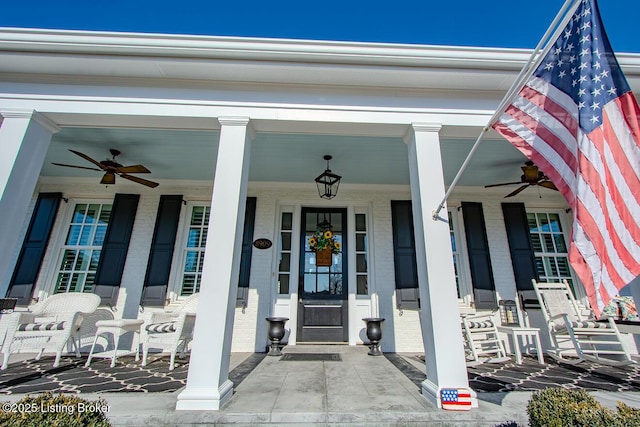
(276, 157)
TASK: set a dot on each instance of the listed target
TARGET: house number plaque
(262, 243)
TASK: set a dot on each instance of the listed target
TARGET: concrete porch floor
(356, 390)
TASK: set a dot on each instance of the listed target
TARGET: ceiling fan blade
(133, 169)
(504, 183)
(548, 184)
(74, 166)
(513, 193)
(89, 159)
(139, 180)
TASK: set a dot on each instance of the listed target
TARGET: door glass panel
(322, 281)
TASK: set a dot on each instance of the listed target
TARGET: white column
(24, 141)
(439, 312)
(208, 384)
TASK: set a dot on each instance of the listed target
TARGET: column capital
(233, 121)
(32, 115)
(420, 127)
(238, 121)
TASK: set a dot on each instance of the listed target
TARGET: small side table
(517, 331)
(116, 328)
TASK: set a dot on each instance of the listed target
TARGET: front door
(322, 290)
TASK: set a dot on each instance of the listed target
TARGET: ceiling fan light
(108, 178)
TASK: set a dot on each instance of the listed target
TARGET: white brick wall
(401, 330)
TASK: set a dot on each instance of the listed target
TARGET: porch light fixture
(328, 182)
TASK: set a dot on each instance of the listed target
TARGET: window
(284, 264)
(80, 253)
(456, 255)
(362, 284)
(458, 261)
(550, 247)
(193, 251)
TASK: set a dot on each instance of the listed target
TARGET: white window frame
(180, 250)
(49, 286)
(363, 210)
(461, 256)
(578, 288)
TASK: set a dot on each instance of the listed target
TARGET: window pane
(285, 241)
(283, 284)
(285, 262)
(561, 245)
(92, 214)
(536, 243)
(533, 225)
(191, 262)
(105, 214)
(68, 259)
(287, 220)
(361, 263)
(362, 287)
(555, 223)
(361, 242)
(548, 243)
(361, 222)
(78, 213)
(193, 240)
(544, 222)
(197, 215)
(74, 235)
(101, 232)
(85, 236)
(335, 284)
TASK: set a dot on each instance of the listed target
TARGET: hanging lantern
(328, 182)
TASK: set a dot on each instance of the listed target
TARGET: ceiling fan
(531, 176)
(112, 168)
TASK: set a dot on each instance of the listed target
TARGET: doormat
(311, 357)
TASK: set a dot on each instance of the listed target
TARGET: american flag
(576, 118)
(457, 399)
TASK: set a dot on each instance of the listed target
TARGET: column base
(431, 392)
(204, 399)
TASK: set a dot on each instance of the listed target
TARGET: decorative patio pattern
(32, 376)
(71, 376)
(530, 376)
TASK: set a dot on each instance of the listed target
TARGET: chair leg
(173, 359)
(56, 362)
(145, 351)
(5, 359)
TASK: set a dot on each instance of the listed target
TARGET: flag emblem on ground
(456, 399)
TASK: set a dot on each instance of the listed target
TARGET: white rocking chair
(483, 343)
(576, 334)
(52, 323)
(173, 329)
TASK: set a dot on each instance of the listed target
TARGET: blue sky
(496, 23)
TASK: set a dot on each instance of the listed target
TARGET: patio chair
(576, 334)
(483, 343)
(52, 323)
(173, 329)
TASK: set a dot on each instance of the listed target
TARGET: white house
(234, 131)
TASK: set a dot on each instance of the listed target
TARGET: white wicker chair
(173, 330)
(50, 324)
(572, 333)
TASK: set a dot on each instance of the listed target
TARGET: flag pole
(554, 28)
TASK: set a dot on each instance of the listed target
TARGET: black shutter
(404, 255)
(484, 289)
(522, 256)
(34, 247)
(114, 249)
(156, 280)
(247, 250)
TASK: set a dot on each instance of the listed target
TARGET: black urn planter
(276, 333)
(374, 333)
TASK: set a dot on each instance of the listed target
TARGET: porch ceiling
(276, 157)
